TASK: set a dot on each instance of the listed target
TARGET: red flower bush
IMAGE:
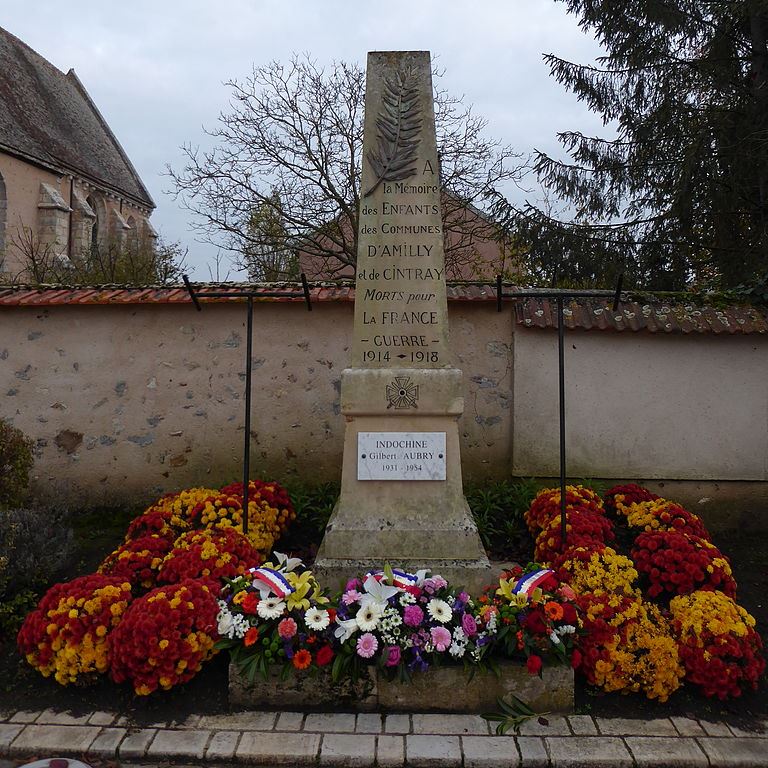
(137, 561)
(717, 643)
(273, 493)
(66, 635)
(584, 528)
(663, 515)
(156, 522)
(623, 495)
(676, 564)
(165, 636)
(546, 505)
(211, 553)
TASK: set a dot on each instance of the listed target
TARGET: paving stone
(760, 731)
(52, 717)
(744, 753)
(106, 743)
(582, 725)
(135, 744)
(190, 722)
(369, 723)
(450, 724)
(556, 726)
(668, 753)
(432, 751)
(715, 729)
(24, 716)
(8, 732)
(222, 746)
(355, 750)
(390, 751)
(329, 722)
(621, 726)
(279, 748)
(687, 726)
(173, 744)
(397, 724)
(489, 752)
(101, 718)
(289, 721)
(532, 751)
(245, 721)
(588, 752)
(67, 739)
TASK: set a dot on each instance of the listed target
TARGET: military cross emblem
(401, 393)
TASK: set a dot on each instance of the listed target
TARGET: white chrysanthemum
(317, 619)
(240, 627)
(459, 636)
(566, 629)
(439, 610)
(270, 607)
(368, 617)
(457, 650)
(407, 599)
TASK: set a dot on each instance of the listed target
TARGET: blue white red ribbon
(530, 581)
(269, 579)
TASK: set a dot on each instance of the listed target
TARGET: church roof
(48, 118)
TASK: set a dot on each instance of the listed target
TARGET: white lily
(345, 630)
(378, 593)
(285, 563)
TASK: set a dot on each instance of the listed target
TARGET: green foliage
(36, 547)
(678, 194)
(498, 507)
(13, 611)
(313, 505)
(15, 464)
(513, 713)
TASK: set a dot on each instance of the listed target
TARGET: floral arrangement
(618, 498)
(67, 634)
(718, 643)
(156, 522)
(165, 636)
(530, 615)
(222, 511)
(273, 493)
(663, 515)
(584, 528)
(597, 570)
(210, 553)
(675, 564)
(546, 505)
(276, 615)
(404, 623)
(137, 560)
(627, 646)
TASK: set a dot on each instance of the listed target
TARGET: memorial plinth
(402, 498)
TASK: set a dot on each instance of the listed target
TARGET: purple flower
(441, 638)
(352, 584)
(469, 625)
(393, 656)
(464, 597)
(413, 615)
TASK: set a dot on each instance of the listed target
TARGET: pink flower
(441, 638)
(469, 625)
(287, 628)
(352, 584)
(350, 596)
(413, 615)
(393, 656)
(367, 645)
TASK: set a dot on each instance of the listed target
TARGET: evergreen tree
(679, 195)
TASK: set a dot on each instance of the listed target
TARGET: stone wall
(125, 402)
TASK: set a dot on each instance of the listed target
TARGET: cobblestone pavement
(418, 741)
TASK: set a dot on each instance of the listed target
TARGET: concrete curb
(389, 741)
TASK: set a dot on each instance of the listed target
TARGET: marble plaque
(401, 456)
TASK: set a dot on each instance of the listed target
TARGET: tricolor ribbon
(267, 580)
(530, 581)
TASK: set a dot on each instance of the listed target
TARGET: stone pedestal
(443, 689)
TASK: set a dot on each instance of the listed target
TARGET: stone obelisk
(402, 499)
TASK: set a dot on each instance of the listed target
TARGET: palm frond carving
(398, 124)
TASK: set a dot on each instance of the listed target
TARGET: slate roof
(591, 314)
(48, 118)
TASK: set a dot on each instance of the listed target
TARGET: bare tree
(292, 142)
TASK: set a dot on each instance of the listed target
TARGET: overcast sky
(156, 69)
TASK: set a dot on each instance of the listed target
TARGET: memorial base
(443, 689)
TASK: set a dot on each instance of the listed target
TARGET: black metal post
(561, 381)
(247, 438)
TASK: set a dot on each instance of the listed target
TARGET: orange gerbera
(553, 610)
(302, 659)
(251, 636)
